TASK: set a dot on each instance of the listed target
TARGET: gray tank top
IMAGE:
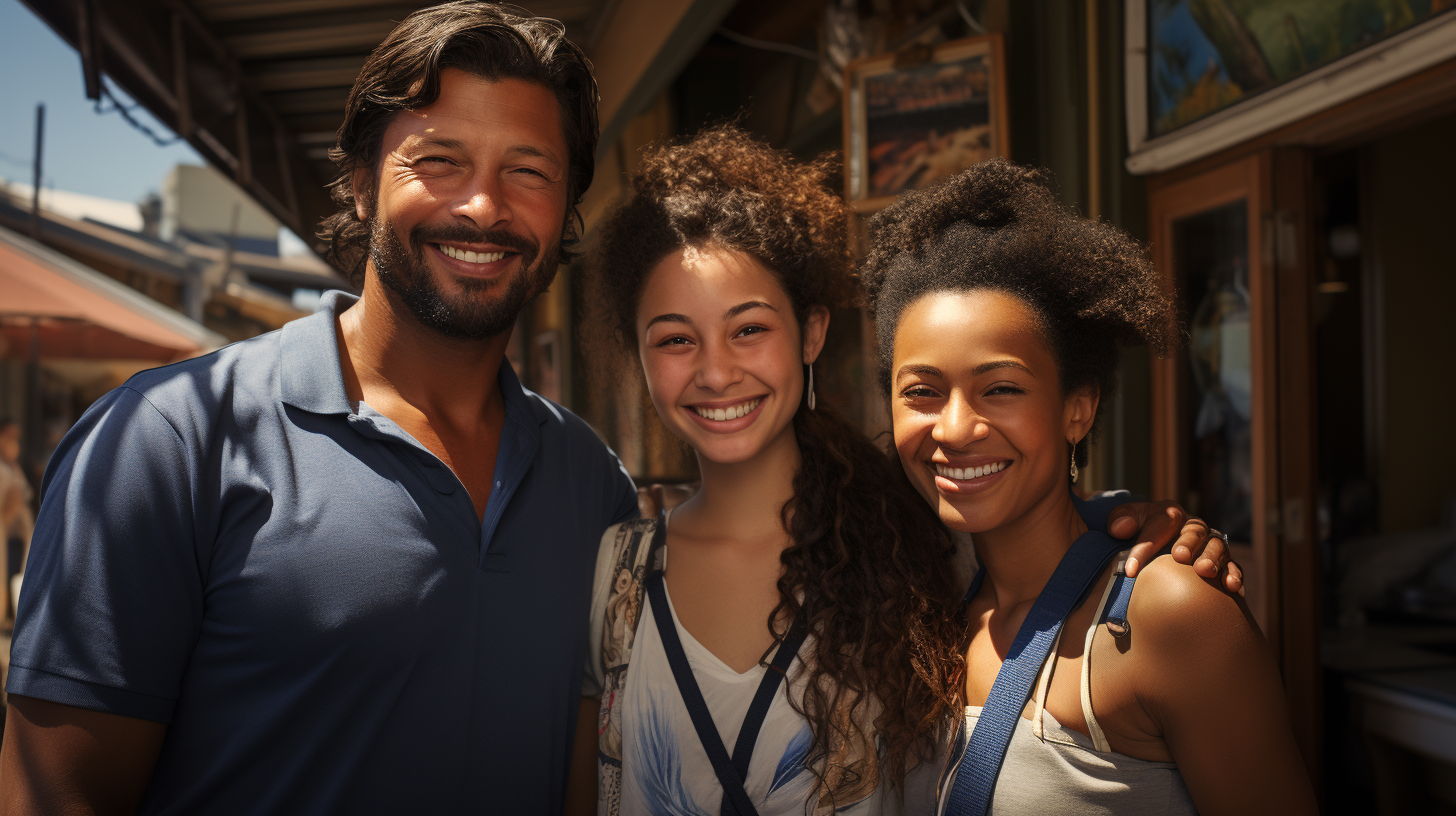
(1050, 769)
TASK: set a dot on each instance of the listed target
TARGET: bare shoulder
(1176, 612)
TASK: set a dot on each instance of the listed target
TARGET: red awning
(76, 312)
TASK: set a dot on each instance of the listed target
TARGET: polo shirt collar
(311, 378)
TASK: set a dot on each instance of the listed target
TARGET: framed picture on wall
(921, 115)
(1204, 75)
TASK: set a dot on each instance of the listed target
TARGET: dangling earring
(1074, 461)
(811, 386)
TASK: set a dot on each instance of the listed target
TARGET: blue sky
(85, 152)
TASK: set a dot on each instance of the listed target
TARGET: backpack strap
(632, 552)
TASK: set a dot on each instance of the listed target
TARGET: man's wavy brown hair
(869, 564)
(485, 39)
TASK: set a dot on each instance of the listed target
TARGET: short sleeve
(113, 588)
(624, 493)
(595, 678)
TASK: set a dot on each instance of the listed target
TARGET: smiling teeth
(731, 412)
(962, 474)
(471, 257)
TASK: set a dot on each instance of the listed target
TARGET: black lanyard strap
(731, 772)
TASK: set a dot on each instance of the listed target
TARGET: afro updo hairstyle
(867, 566)
(999, 226)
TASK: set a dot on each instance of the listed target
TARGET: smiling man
(344, 567)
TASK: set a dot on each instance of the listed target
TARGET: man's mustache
(462, 234)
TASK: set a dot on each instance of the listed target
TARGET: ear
(363, 188)
(1079, 411)
(816, 325)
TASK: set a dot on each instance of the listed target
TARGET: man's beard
(476, 313)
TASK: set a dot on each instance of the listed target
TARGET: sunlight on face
(467, 214)
(722, 352)
(980, 423)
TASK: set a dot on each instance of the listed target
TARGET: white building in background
(79, 206)
(200, 204)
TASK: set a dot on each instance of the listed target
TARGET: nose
(481, 201)
(959, 424)
(717, 369)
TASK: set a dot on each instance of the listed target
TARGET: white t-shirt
(665, 769)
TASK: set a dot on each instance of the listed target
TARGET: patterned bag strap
(643, 552)
(631, 550)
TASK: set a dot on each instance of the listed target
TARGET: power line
(118, 107)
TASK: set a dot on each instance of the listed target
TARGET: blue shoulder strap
(1115, 615)
(979, 766)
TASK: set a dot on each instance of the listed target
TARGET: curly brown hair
(999, 226)
(486, 39)
(868, 559)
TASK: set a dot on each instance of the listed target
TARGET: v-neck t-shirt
(665, 768)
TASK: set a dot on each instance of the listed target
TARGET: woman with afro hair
(999, 315)
(803, 555)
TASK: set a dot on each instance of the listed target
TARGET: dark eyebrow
(932, 371)
(995, 364)
(743, 307)
(529, 150)
(447, 143)
(922, 370)
(442, 141)
(731, 313)
(668, 318)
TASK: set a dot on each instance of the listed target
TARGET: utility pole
(35, 187)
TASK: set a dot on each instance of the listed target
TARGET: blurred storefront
(69, 334)
(1289, 162)
(1298, 201)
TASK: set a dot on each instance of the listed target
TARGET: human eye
(1004, 389)
(532, 176)
(751, 330)
(673, 340)
(919, 391)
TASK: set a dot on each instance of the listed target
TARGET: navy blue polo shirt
(304, 594)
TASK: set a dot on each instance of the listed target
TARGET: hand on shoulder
(1181, 616)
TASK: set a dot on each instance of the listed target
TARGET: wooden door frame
(1291, 256)
(1243, 179)
(1284, 586)
(1276, 171)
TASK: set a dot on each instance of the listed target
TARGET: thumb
(1126, 520)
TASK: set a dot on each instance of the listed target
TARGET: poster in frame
(918, 116)
(1196, 85)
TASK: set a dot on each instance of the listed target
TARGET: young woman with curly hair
(718, 272)
(999, 316)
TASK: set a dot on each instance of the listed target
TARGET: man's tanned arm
(60, 759)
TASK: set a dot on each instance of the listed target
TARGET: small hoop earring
(811, 386)
(1074, 461)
